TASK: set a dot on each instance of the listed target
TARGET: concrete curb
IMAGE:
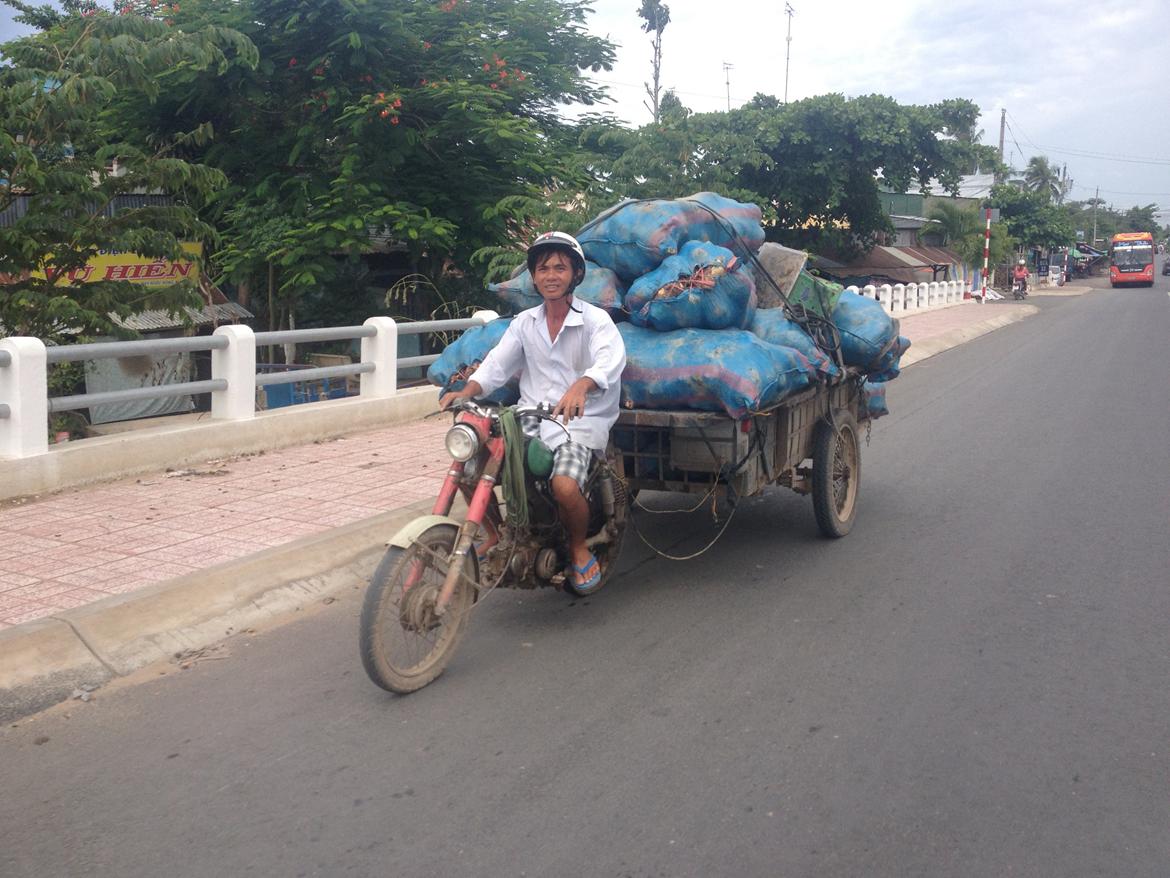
(920, 351)
(1066, 290)
(43, 662)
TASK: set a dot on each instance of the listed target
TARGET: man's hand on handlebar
(471, 389)
(572, 404)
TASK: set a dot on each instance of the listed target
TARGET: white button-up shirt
(587, 346)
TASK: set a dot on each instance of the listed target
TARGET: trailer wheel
(836, 473)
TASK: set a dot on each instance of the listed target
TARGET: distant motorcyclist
(1020, 275)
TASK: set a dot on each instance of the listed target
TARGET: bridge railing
(25, 404)
(904, 299)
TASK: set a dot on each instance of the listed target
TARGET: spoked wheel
(836, 473)
(404, 643)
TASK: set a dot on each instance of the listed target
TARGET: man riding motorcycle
(1020, 276)
(570, 356)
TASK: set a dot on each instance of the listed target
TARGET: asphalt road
(973, 683)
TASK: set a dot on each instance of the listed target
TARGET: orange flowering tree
(66, 157)
(416, 122)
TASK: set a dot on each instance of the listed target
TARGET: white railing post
(852, 289)
(381, 349)
(235, 364)
(870, 292)
(886, 297)
(24, 388)
(954, 293)
(898, 299)
(911, 296)
(485, 316)
(934, 295)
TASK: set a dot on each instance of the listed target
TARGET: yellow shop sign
(120, 265)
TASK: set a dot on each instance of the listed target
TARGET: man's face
(554, 274)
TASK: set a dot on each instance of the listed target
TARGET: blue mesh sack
(728, 370)
(463, 356)
(704, 286)
(869, 336)
(633, 237)
(773, 327)
(873, 400)
(601, 287)
(888, 365)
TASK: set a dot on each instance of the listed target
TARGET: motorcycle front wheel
(404, 644)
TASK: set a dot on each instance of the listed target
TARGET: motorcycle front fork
(478, 516)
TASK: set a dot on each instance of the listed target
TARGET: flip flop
(587, 583)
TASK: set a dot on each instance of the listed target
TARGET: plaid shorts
(570, 458)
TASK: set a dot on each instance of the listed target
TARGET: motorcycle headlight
(462, 442)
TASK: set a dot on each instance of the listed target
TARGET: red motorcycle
(422, 594)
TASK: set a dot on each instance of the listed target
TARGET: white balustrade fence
(25, 404)
(912, 298)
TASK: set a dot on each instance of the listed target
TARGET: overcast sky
(1084, 84)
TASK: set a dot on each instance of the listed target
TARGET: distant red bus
(1131, 259)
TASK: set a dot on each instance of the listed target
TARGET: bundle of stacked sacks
(676, 278)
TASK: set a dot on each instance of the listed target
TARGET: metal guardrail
(326, 333)
(436, 326)
(85, 400)
(109, 350)
(234, 374)
(294, 376)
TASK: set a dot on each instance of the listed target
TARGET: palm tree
(1040, 176)
(962, 229)
(956, 225)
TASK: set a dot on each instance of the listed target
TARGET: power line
(1117, 192)
(1084, 153)
(1016, 142)
(692, 94)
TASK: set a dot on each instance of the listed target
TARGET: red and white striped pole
(986, 253)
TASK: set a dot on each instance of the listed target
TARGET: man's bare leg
(575, 515)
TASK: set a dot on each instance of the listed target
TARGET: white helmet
(561, 242)
(1021, 262)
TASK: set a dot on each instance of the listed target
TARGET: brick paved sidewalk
(87, 543)
(84, 544)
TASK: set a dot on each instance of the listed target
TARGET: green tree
(826, 156)
(962, 229)
(64, 162)
(1143, 219)
(425, 125)
(813, 165)
(1031, 218)
(655, 17)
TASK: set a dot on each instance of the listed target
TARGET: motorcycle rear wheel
(404, 645)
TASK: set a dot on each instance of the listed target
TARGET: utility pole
(727, 74)
(1002, 126)
(1096, 198)
(789, 11)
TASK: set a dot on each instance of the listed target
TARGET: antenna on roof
(789, 11)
